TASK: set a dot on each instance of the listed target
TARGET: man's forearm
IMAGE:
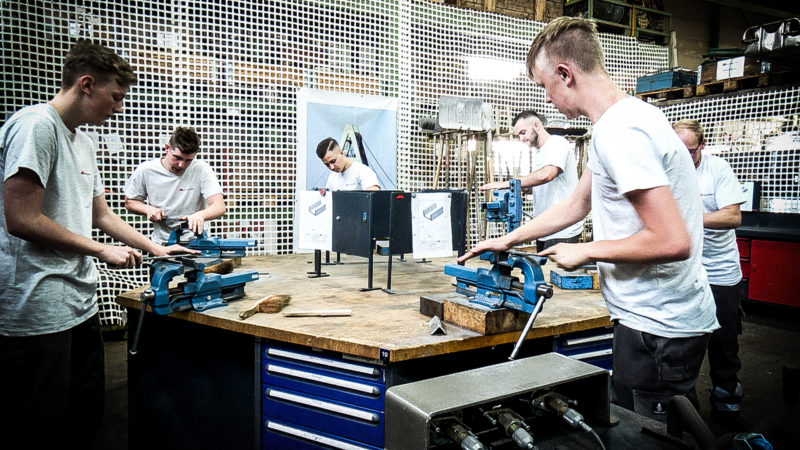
(137, 206)
(118, 229)
(726, 218)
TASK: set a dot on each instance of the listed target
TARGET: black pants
(649, 370)
(723, 349)
(541, 245)
(52, 388)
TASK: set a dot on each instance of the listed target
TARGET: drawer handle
(313, 437)
(589, 339)
(366, 370)
(325, 406)
(353, 386)
(589, 355)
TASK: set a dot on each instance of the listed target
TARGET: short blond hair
(693, 126)
(573, 39)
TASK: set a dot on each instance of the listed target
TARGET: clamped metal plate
(496, 287)
(213, 246)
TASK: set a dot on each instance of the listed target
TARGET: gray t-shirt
(557, 152)
(46, 290)
(176, 195)
(634, 148)
(719, 188)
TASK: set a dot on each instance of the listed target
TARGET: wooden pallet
(733, 84)
(668, 94)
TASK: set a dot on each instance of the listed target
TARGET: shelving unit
(647, 25)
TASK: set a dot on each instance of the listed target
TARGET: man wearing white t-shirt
(641, 188)
(722, 194)
(347, 174)
(554, 176)
(176, 188)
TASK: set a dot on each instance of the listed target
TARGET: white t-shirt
(176, 195)
(47, 290)
(357, 177)
(633, 148)
(558, 152)
(719, 188)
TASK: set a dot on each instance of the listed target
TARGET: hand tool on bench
(270, 304)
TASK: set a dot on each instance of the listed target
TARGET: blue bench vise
(211, 246)
(496, 288)
(200, 291)
(508, 206)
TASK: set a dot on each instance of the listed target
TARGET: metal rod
(527, 328)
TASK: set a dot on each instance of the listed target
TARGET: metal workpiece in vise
(508, 206)
(211, 246)
(496, 288)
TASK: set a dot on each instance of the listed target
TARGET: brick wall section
(523, 9)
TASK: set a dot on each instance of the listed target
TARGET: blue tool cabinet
(593, 346)
(311, 398)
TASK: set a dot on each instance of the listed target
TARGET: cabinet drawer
(593, 347)
(324, 363)
(325, 415)
(276, 434)
(744, 247)
(337, 387)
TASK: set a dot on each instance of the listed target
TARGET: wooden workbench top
(382, 326)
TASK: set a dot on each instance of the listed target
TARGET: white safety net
(232, 69)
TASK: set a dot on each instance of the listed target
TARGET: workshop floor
(771, 340)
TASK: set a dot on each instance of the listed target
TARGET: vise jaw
(211, 246)
(200, 291)
(496, 288)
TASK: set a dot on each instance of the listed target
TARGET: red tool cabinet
(770, 268)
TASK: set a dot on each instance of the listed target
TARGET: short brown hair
(568, 38)
(186, 140)
(97, 60)
(326, 145)
(693, 126)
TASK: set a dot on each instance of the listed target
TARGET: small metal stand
(369, 273)
(317, 273)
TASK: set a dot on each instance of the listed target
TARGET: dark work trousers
(723, 349)
(649, 370)
(541, 245)
(52, 388)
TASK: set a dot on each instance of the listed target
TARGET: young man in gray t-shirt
(174, 188)
(52, 197)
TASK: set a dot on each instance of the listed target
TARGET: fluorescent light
(481, 68)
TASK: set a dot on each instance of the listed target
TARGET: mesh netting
(232, 69)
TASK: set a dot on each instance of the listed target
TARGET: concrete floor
(770, 341)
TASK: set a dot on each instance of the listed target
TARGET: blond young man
(642, 191)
